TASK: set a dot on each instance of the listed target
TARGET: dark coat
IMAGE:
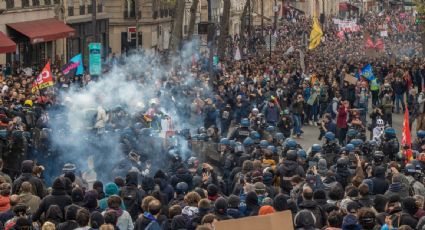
(58, 197)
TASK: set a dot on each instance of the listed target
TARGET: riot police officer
(419, 141)
(241, 132)
(390, 144)
(330, 148)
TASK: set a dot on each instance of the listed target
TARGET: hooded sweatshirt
(110, 189)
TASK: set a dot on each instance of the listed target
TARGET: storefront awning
(43, 30)
(345, 6)
(6, 44)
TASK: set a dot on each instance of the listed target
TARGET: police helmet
(279, 136)
(349, 147)
(224, 141)
(301, 153)
(270, 129)
(409, 169)
(390, 132)
(330, 136)
(264, 144)
(292, 144)
(316, 148)
(272, 149)
(378, 156)
(245, 122)
(351, 133)
(239, 147)
(421, 134)
(356, 142)
(248, 141)
(255, 135)
(292, 155)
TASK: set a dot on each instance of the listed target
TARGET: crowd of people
(253, 115)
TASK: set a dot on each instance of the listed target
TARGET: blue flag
(367, 73)
(74, 67)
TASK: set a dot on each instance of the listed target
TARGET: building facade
(78, 15)
(151, 19)
(35, 28)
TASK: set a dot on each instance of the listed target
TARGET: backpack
(411, 189)
(319, 214)
(131, 199)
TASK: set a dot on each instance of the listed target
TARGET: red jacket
(4, 203)
(341, 119)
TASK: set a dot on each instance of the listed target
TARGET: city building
(35, 29)
(151, 19)
(78, 15)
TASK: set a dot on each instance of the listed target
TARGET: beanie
(220, 205)
(266, 209)
(58, 184)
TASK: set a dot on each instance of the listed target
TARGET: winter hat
(266, 209)
(233, 201)
(409, 205)
(220, 205)
(96, 220)
(280, 203)
(69, 167)
(259, 187)
(350, 223)
(267, 201)
(111, 189)
(178, 222)
(26, 166)
(304, 219)
(322, 167)
(319, 194)
(58, 184)
(212, 190)
(77, 195)
(181, 188)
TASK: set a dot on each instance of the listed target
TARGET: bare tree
(193, 10)
(224, 29)
(176, 31)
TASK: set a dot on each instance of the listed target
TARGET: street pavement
(311, 133)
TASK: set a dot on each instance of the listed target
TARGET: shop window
(47, 2)
(25, 3)
(35, 2)
(10, 4)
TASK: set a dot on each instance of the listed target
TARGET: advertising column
(95, 59)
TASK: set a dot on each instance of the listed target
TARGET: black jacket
(58, 197)
(36, 183)
(316, 210)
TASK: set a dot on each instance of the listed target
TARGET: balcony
(82, 10)
(70, 11)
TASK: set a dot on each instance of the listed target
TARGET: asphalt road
(311, 133)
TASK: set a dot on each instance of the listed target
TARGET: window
(10, 4)
(47, 2)
(155, 14)
(70, 8)
(56, 1)
(100, 8)
(129, 9)
(82, 9)
(35, 2)
(89, 9)
(25, 3)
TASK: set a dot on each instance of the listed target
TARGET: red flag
(379, 45)
(369, 43)
(43, 80)
(406, 139)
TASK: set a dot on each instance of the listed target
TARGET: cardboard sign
(350, 79)
(275, 221)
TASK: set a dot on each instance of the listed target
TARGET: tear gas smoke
(130, 89)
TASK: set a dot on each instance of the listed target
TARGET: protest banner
(275, 221)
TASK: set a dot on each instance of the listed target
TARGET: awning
(6, 44)
(345, 6)
(43, 30)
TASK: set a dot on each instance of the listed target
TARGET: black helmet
(342, 162)
(409, 169)
(292, 155)
(378, 157)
